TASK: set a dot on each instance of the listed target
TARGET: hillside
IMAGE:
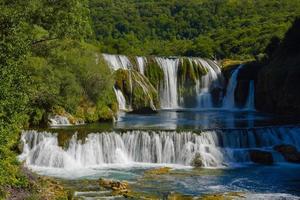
(206, 28)
(279, 80)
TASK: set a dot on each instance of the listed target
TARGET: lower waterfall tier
(219, 148)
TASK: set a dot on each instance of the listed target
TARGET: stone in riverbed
(158, 171)
(116, 186)
(261, 157)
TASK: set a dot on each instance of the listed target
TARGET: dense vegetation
(208, 28)
(46, 64)
(278, 79)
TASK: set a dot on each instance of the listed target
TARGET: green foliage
(67, 73)
(36, 67)
(154, 73)
(278, 78)
(208, 28)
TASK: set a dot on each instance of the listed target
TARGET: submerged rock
(158, 171)
(223, 196)
(197, 161)
(289, 152)
(117, 186)
(261, 157)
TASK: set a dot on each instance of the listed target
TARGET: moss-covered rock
(154, 73)
(189, 75)
(138, 91)
(158, 171)
(197, 161)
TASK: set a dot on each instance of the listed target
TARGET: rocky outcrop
(289, 152)
(261, 157)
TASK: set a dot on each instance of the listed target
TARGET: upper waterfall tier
(179, 81)
(219, 148)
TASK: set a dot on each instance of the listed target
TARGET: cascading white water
(229, 100)
(116, 62)
(141, 63)
(168, 89)
(250, 104)
(58, 120)
(204, 97)
(216, 148)
(121, 99)
(169, 97)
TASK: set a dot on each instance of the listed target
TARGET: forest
(48, 48)
(207, 28)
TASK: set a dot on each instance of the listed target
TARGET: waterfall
(121, 99)
(217, 148)
(229, 100)
(169, 97)
(141, 63)
(116, 62)
(250, 104)
(208, 81)
(58, 120)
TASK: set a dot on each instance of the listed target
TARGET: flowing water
(228, 101)
(169, 97)
(218, 136)
(250, 104)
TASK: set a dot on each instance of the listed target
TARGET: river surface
(136, 143)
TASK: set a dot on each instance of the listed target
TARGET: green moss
(137, 89)
(189, 73)
(105, 114)
(154, 73)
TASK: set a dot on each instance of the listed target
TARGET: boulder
(289, 152)
(116, 186)
(261, 157)
(285, 148)
(197, 161)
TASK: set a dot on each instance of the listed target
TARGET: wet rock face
(289, 152)
(278, 90)
(241, 93)
(261, 157)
